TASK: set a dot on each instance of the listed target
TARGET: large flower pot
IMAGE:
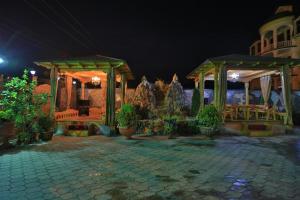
(46, 136)
(127, 131)
(7, 131)
(208, 131)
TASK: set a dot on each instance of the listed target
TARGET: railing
(287, 43)
(282, 44)
(66, 114)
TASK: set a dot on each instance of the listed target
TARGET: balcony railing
(283, 44)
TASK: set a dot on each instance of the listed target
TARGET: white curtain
(69, 83)
(265, 85)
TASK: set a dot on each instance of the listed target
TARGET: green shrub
(127, 116)
(21, 106)
(45, 123)
(210, 117)
(195, 102)
(170, 124)
(193, 127)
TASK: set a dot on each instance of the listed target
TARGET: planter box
(208, 131)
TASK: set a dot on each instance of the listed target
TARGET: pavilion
(244, 68)
(86, 69)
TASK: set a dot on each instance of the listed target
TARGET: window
(258, 47)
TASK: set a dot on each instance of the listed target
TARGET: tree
(20, 105)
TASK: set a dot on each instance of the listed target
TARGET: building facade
(280, 37)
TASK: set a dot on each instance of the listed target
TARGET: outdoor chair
(251, 111)
(261, 110)
(228, 112)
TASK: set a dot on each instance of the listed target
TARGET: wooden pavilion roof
(90, 63)
(244, 62)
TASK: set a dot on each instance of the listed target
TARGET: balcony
(280, 45)
(284, 44)
(268, 48)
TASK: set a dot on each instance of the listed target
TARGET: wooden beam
(123, 88)
(259, 75)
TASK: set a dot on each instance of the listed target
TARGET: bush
(45, 123)
(21, 106)
(195, 102)
(127, 116)
(170, 125)
(210, 117)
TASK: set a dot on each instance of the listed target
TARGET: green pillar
(220, 87)
(110, 97)
(286, 90)
(201, 85)
(123, 88)
(222, 97)
(53, 90)
(216, 86)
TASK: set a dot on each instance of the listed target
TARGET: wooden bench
(70, 113)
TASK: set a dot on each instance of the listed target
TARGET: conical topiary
(174, 99)
(144, 96)
(160, 91)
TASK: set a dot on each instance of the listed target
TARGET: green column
(123, 88)
(220, 90)
(222, 96)
(107, 110)
(216, 86)
(110, 97)
(201, 85)
(286, 90)
(53, 90)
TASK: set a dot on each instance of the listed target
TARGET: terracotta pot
(127, 132)
(46, 136)
(7, 131)
(208, 131)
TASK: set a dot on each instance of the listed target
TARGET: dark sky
(156, 38)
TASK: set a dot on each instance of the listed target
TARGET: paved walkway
(186, 168)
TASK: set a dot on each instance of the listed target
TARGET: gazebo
(244, 69)
(86, 69)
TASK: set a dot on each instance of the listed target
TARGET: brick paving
(153, 169)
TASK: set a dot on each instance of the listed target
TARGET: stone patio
(153, 169)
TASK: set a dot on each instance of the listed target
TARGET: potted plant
(46, 127)
(209, 120)
(127, 120)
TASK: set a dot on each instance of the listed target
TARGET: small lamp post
(34, 77)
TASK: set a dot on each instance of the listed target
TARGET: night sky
(155, 38)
